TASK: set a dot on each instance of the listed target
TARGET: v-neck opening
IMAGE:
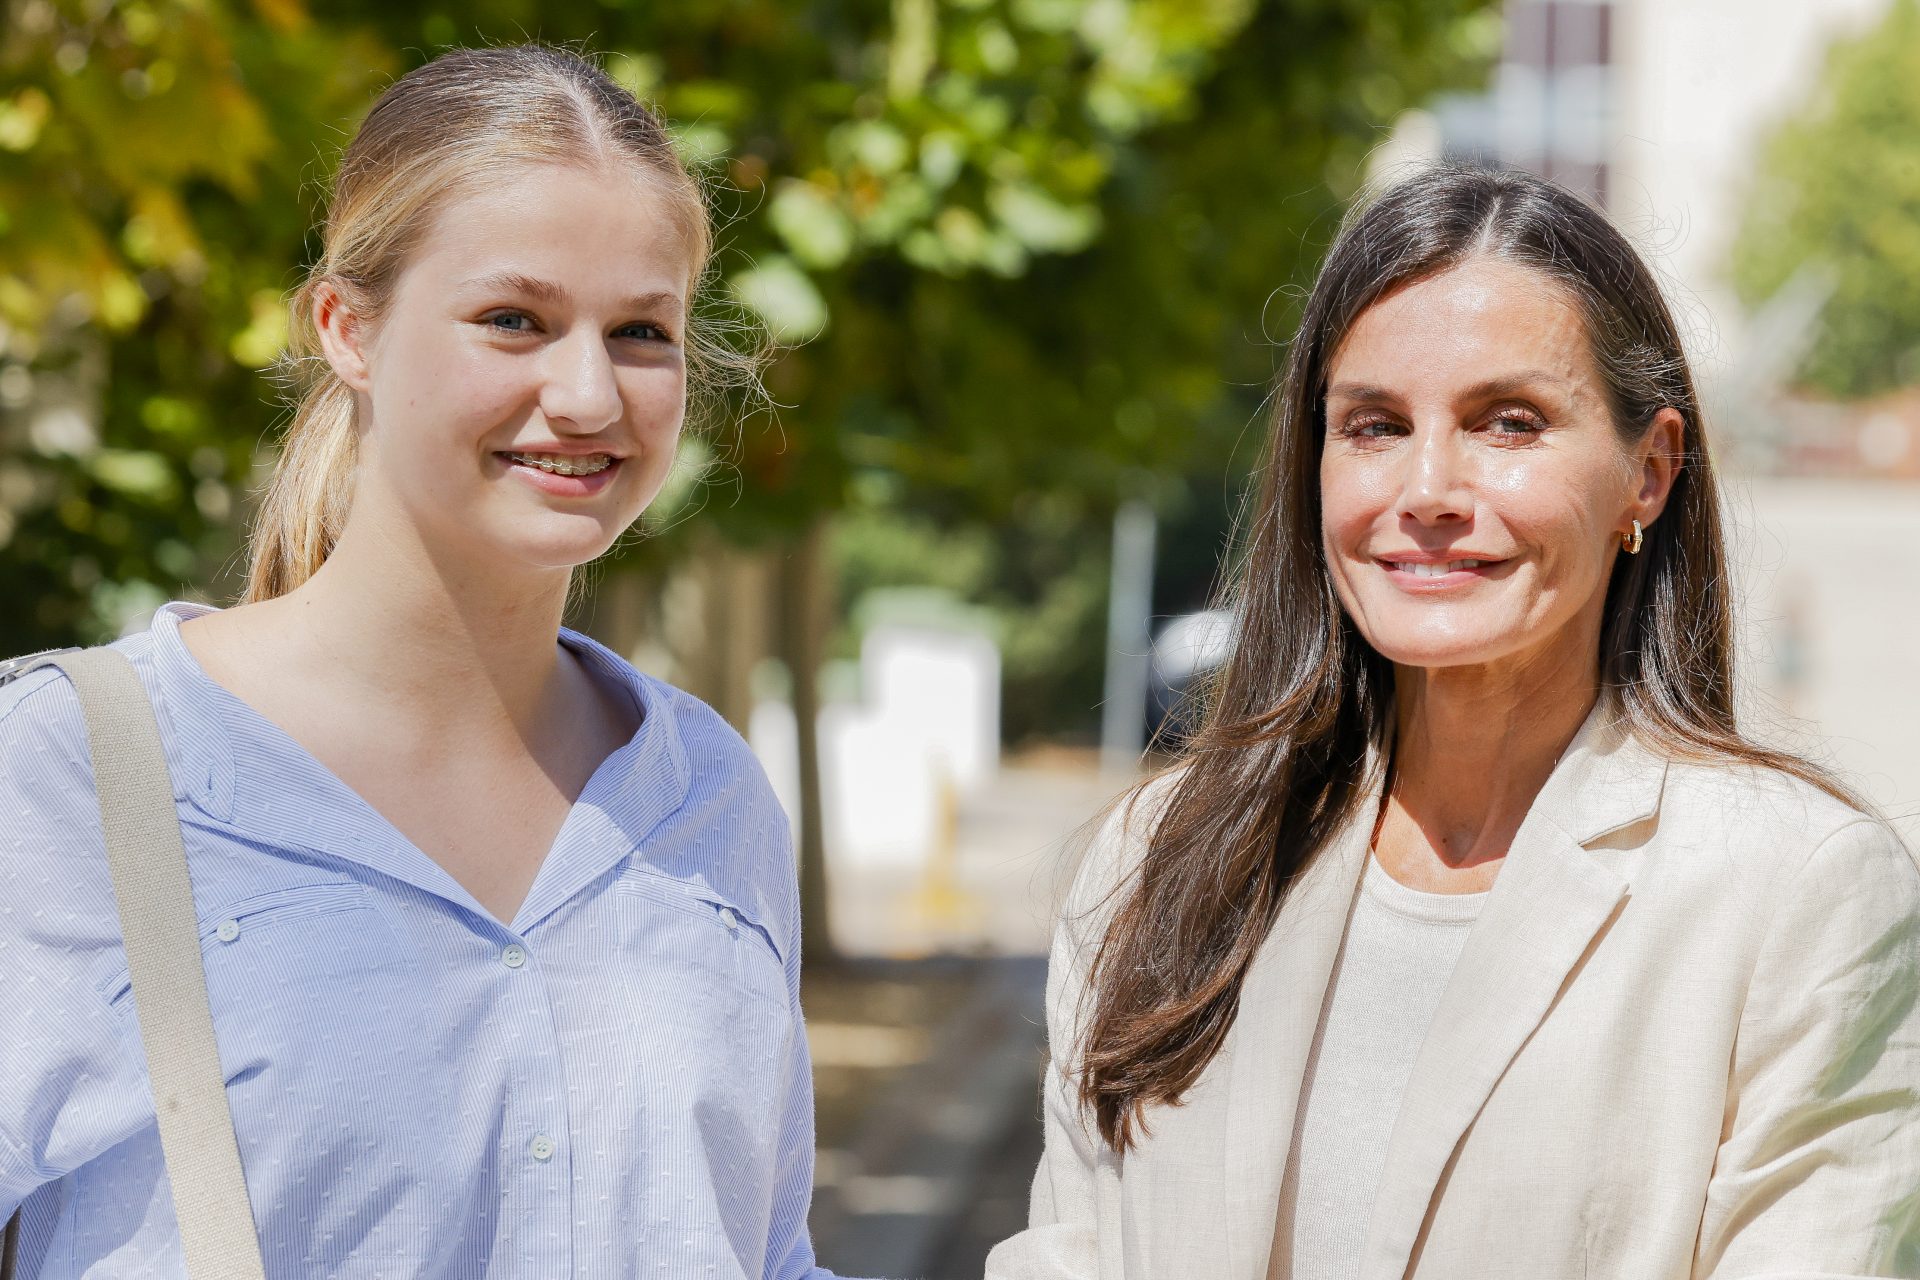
(438, 879)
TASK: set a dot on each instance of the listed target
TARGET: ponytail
(306, 503)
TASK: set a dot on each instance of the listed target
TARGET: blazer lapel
(1549, 904)
(1272, 1035)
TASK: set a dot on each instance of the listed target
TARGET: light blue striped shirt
(616, 1085)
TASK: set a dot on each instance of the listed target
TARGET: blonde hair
(465, 116)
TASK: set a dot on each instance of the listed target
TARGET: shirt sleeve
(71, 1083)
(1818, 1171)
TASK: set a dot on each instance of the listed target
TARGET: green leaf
(137, 473)
(784, 298)
(1042, 223)
(813, 227)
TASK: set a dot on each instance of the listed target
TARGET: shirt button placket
(539, 1101)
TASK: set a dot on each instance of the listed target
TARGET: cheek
(436, 391)
(656, 408)
(481, 389)
(1353, 501)
(657, 401)
(1562, 520)
(1353, 497)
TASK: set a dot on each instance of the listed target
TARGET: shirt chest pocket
(688, 928)
(289, 970)
(708, 985)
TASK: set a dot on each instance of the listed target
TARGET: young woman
(1471, 940)
(500, 935)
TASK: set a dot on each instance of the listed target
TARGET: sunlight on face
(542, 314)
(1472, 481)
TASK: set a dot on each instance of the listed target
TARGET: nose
(1434, 487)
(580, 392)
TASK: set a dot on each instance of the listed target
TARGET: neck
(462, 646)
(1473, 746)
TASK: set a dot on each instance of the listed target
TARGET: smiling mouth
(563, 465)
(1422, 569)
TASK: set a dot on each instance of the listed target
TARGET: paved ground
(928, 1041)
(927, 1078)
(995, 888)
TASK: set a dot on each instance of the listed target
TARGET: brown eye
(1371, 428)
(1513, 424)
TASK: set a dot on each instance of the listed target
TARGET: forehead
(613, 229)
(1482, 320)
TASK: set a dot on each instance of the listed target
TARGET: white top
(1400, 948)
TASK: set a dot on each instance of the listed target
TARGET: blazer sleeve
(1062, 1239)
(1818, 1171)
(1060, 1242)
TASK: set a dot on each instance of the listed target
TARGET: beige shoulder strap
(157, 917)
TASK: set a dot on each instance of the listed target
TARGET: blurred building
(1550, 106)
(1656, 109)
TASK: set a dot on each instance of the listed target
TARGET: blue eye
(646, 332)
(510, 321)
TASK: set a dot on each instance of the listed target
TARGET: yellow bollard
(940, 906)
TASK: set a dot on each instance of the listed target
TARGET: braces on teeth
(584, 467)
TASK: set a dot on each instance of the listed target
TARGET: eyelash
(660, 333)
(1531, 425)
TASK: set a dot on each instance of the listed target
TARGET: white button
(228, 930)
(541, 1148)
(514, 956)
(729, 919)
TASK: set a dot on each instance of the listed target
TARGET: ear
(1657, 462)
(343, 335)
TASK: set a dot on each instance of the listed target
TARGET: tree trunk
(716, 624)
(805, 614)
(620, 611)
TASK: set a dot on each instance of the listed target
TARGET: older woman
(1471, 938)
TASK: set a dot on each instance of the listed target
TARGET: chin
(1431, 646)
(559, 551)
(1440, 659)
(573, 558)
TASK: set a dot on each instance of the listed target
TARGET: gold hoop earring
(1632, 541)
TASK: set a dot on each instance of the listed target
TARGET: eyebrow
(1491, 389)
(553, 294)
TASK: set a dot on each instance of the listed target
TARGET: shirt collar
(245, 773)
(202, 750)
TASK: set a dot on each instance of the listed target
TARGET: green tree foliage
(1839, 189)
(1027, 408)
(155, 167)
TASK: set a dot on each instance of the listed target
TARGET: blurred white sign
(929, 720)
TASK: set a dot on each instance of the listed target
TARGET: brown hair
(1277, 765)
(438, 129)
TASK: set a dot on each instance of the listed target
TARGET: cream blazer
(1683, 1041)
